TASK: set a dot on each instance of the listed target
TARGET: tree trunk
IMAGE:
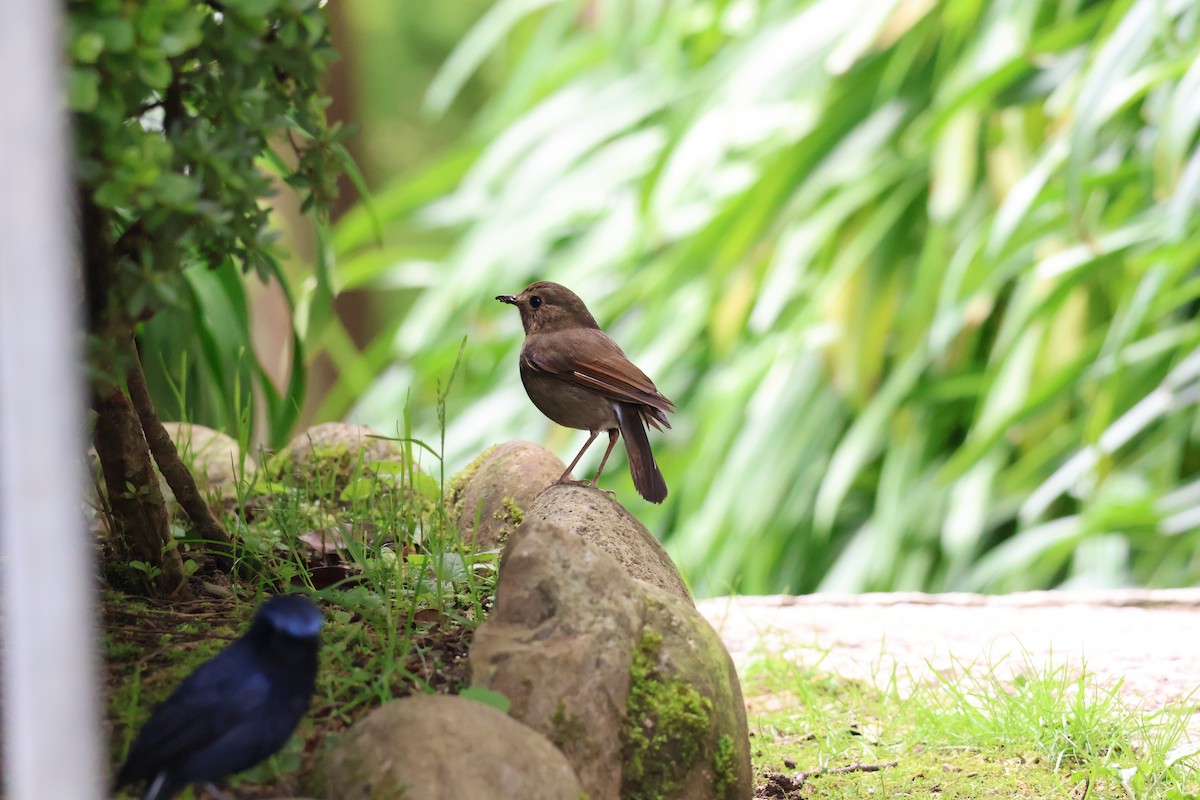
(140, 515)
(140, 527)
(176, 473)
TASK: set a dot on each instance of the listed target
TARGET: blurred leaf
(920, 277)
(483, 38)
(488, 697)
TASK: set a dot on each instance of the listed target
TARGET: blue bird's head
(291, 615)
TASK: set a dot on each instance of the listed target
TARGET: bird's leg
(579, 455)
(613, 433)
(212, 789)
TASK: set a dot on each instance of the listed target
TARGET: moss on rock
(667, 724)
(458, 484)
(514, 512)
(489, 497)
(567, 728)
(325, 458)
(724, 763)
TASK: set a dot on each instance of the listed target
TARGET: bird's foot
(609, 492)
(570, 482)
(590, 484)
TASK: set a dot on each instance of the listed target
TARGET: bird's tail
(646, 477)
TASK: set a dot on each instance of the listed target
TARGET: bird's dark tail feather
(646, 478)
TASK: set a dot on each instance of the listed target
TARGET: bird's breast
(568, 405)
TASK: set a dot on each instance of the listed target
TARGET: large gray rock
(598, 519)
(490, 496)
(214, 458)
(437, 747)
(626, 678)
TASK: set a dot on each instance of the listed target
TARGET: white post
(52, 746)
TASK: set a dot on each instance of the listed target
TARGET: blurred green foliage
(398, 50)
(231, 346)
(920, 276)
(186, 114)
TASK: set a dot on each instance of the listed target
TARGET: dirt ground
(1150, 639)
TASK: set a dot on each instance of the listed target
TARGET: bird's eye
(535, 301)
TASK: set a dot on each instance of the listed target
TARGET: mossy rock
(214, 458)
(681, 725)
(490, 496)
(596, 517)
(624, 677)
(325, 458)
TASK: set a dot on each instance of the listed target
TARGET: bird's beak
(507, 298)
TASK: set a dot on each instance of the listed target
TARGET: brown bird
(579, 378)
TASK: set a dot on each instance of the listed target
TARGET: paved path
(1151, 639)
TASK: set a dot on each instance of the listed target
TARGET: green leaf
(117, 32)
(176, 190)
(364, 193)
(360, 489)
(499, 19)
(87, 46)
(489, 697)
(83, 91)
(154, 70)
(182, 32)
(251, 8)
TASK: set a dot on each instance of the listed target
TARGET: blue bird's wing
(219, 695)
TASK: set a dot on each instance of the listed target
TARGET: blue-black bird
(236, 709)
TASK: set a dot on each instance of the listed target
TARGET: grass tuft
(371, 541)
(978, 730)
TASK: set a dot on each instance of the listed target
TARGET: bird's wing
(216, 697)
(604, 370)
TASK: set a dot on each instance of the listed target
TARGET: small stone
(432, 747)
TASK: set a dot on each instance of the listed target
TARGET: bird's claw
(590, 484)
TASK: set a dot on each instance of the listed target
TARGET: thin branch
(789, 786)
(856, 767)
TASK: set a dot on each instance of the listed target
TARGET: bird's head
(289, 615)
(546, 306)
